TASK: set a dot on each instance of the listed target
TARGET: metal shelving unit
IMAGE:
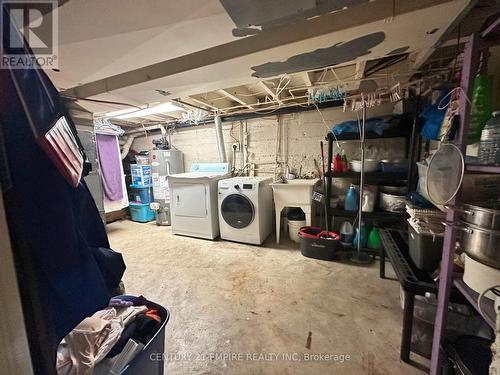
(471, 296)
(473, 47)
(371, 176)
(372, 215)
(407, 128)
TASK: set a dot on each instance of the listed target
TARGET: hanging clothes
(110, 161)
(54, 227)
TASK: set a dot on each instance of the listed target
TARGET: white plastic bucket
(293, 229)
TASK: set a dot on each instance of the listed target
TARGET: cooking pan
(484, 215)
(482, 245)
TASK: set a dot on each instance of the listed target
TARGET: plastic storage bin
(151, 359)
(425, 249)
(141, 174)
(142, 194)
(141, 212)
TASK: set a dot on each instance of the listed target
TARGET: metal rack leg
(382, 263)
(407, 326)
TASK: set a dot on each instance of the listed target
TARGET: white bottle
(346, 233)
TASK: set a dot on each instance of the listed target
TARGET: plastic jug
(351, 199)
(360, 236)
(374, 239)
(345, 163)
(481, 106)
(346, 233)
(369, 198)
(337, 164)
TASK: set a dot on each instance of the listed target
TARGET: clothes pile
(107, 341)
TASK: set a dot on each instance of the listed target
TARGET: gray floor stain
(252, 16)
(336, 54)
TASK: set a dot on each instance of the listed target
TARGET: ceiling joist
(238, 99)
(270, 92)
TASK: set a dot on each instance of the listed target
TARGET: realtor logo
(33, 23)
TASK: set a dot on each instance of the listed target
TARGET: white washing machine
(245, 209)
(193, 200)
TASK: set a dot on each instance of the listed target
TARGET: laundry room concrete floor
(242, 309)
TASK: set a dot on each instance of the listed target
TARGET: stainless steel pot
(393, 203)
(394, 189)
(483, 245)
(484, 215)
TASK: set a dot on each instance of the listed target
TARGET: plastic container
(351, 199)
(143, 194)
(334, 202)
(461, 320)
(422, 180)
(396, 166)
(141, 212)
(363, 238)
(313, 246)
(141, 174)
(489, 146)
(293, 229)
(151, 359)
(373, 239)
(142, 158)
(425, 249)
(346, 233)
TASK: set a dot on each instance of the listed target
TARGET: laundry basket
(150, 361)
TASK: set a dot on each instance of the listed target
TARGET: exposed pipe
(127, 145)
(220, 139)
(145, 129)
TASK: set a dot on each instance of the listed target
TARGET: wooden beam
(425, 54)
(494, 27)
(199, 101)
(270, 92)
(360, 69)
(236, 98)
(307, 79)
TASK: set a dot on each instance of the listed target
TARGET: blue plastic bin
(141, 212)
(143, 194)
(150, 361)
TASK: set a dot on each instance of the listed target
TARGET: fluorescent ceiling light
(131, 113)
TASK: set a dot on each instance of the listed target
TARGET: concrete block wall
(298, 147)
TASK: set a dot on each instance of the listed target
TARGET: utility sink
(292, 193)
(298, 191)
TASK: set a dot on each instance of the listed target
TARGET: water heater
(164, 162)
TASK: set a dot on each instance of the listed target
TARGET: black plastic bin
(425, 249)
(313, 246)
(150, 361)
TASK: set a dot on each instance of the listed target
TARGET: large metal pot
(484, 215)
(483, 245)
(393, 203)
(395, 188)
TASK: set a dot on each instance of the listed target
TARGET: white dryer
(193, 200)
(245, 209)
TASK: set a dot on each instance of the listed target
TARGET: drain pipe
(127, 145)
(220, 139)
